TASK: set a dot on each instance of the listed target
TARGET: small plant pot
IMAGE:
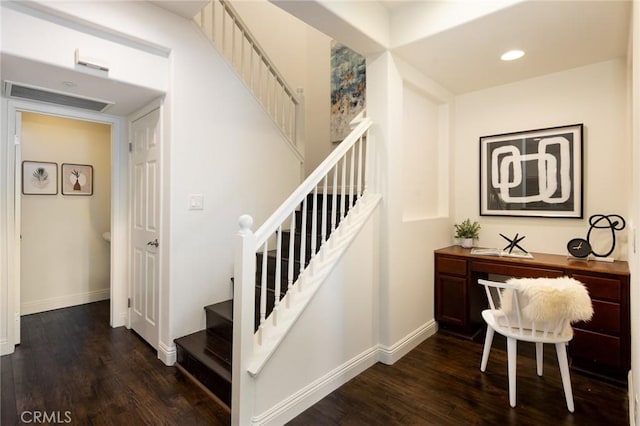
(466, 242)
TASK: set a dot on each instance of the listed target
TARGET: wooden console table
(601, 346)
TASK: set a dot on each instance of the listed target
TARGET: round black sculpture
(581, 248)
(613, 225)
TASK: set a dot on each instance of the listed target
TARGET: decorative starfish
(513, 243)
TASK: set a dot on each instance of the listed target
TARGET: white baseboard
(65, 301)
(120, 320)
(632, 400)
(6, 348)
(314, 392)
(294, 405)
(167, 353)
(390, 354)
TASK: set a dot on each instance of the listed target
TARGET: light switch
(196, 202)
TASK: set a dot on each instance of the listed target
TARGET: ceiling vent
(24, 91)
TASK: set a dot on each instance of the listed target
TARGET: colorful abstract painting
(348, 82)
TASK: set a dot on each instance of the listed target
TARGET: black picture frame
(76, 179)
(39, 178)
(533, 173)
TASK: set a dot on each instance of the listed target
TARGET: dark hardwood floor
(440, 383)
(70, 360)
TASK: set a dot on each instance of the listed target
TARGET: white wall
(128, 60)
(411, 228)
(335, 338)
(595, 95)
(64, 260)
(634, 212)
(218, 143)
(302, 54)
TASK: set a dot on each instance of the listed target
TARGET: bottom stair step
(214, 374)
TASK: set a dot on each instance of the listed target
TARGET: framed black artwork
(533, 173)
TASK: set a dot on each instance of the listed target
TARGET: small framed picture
(77, 179)
(534, 173)
(39, 178)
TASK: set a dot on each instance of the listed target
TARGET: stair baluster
(263, 291)
(277, 280)
(222, 25)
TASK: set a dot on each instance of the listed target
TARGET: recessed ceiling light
(512, 55)
(68, 84)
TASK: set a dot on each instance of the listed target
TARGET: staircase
(280, 257)
(206, 355)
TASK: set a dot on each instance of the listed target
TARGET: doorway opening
(65, 257)
(63, 210)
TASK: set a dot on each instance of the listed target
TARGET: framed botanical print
(39, 178)
(77, 179)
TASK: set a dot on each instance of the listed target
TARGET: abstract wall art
(348, 83)
(534, 173)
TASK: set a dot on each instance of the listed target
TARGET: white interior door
(146, 141)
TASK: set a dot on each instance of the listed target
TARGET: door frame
(119, 214)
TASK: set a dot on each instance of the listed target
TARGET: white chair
(538, 310)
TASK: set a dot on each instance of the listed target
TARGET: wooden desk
(601, 346)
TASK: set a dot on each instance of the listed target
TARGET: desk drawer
(601, 288)
(451, 265)
(596, 349)
(515, 270)
(606, 318)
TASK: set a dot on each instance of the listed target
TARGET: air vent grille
(23, 91)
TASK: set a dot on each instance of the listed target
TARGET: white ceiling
(556, 35)
(185, 8)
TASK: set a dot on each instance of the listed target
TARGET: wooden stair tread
(219, 346)
(222, 309)
(196, 345)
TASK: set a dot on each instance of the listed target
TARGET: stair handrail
(311, 182)
(254, 41)
(291, 128)
(258, 330)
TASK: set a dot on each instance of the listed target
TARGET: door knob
(153, 243)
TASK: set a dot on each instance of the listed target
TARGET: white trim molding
(292, 406)
(65, 301)
(390, 354)
(167, 353)
(295, 404)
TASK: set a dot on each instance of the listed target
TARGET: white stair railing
(223, 27)
(324, 199)
(322, 204)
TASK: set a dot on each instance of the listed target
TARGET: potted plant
(466, 232)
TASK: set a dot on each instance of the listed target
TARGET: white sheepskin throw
(550, 299)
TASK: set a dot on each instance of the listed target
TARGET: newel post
(242, 385)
